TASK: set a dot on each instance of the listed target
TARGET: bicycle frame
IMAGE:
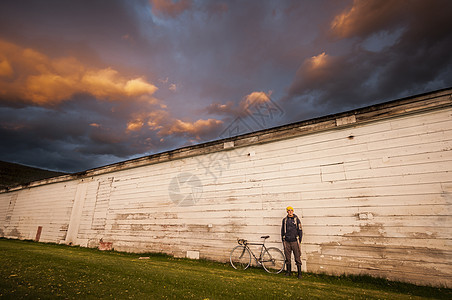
(258, 260)
(246, 244)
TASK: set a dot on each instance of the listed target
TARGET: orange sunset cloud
(367, 15)
(254, 98)
(32, 76)
(164, 124)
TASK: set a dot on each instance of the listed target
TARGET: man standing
(291, 234)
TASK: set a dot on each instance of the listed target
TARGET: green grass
(46, 271)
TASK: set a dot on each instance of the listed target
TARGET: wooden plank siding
(373, 188)
(48, 206)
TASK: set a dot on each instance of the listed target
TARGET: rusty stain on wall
(38, 234)
(105, 246)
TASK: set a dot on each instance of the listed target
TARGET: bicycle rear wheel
(273, 260)
(240, 258)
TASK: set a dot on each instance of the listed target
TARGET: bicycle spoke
(273, 260)
(240, 258)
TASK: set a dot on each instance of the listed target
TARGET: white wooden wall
(374, 198)
(49, 206)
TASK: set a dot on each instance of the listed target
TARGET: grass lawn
(47, 271)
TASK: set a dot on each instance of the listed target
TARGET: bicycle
(272, 259)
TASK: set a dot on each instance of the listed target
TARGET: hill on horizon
(12, 174)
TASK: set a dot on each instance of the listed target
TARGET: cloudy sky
(89, 83)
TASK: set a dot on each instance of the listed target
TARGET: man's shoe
(288, 270)
(299, 272)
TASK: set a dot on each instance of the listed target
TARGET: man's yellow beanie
(289, 207)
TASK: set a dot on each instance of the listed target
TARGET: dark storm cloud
(35, 134)
(79, 134)
(414, 58)
(87, 83)
(67, 20)
(250, 46)
(74, 113)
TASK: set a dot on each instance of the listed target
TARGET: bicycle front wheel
(273, 260)
(240, 258)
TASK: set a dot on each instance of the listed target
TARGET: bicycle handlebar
(242, 241)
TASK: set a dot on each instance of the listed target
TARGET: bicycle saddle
(265, 237)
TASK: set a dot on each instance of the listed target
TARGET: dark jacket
(291, 230)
